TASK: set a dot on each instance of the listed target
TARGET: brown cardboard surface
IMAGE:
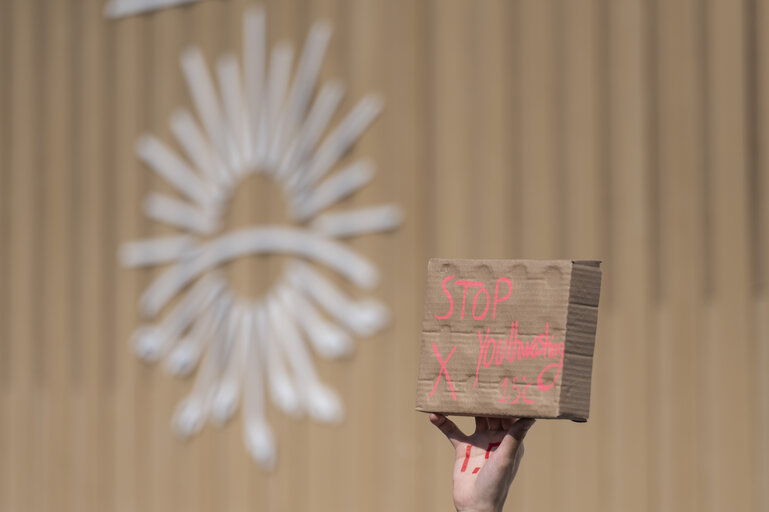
(508, 338)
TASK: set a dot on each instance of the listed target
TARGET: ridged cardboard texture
(509, 338)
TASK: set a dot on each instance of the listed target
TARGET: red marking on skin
(476, 470)
(488, 450)
(467, 458)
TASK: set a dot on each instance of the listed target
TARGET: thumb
(448, 427)
(514, 437)
(520, 428)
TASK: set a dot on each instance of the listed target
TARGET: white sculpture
(248, 349)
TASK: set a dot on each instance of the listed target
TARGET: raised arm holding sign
(505, 341)
(486, 462)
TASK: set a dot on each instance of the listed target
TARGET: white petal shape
(254, 35)
(227, 394)
(186, 131)
(302, 87)
(153, 342)
(174, 170)
(324, 405)
(154, 251)
(174, 212)
(364, 317)
(256, 241)
(328, 340)
(232, 96)
(282, 391)
(280, 73)
(307, 138)
(202, 294)
(358, 222)
(147, 342)
(206, 102)
(120, 8)
(321, 402)
(184, 358)
(189, 417)
(257, 434)
(260, 443)
(338, 142)
(192, 411)
(333, 189)
(253, 401)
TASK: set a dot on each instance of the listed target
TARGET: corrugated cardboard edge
(581, 324)
(422, 362)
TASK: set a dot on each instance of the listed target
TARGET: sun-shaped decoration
(249, 347)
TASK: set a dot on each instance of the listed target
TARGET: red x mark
(444, 370)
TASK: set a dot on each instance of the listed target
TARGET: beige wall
(634, 132)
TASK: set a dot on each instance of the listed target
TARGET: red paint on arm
(467, 458)
(491, 445)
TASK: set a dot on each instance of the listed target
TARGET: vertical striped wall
(634, 132)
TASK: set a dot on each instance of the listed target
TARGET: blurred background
(628, 131)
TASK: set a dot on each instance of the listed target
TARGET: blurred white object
(357, 222)
(120, 8)
(250, 120)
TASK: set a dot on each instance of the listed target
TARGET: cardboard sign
(509, 338)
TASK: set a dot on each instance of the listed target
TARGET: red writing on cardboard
(481, 289)
(444, 371)
(509, 349)
(501, 349)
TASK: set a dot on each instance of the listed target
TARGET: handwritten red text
(481, 297)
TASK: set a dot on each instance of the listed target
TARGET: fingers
(520, 428)
(511, 447)
(449, 429)
(494, 423)
(483, 423)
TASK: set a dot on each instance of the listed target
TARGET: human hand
(486, 462)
